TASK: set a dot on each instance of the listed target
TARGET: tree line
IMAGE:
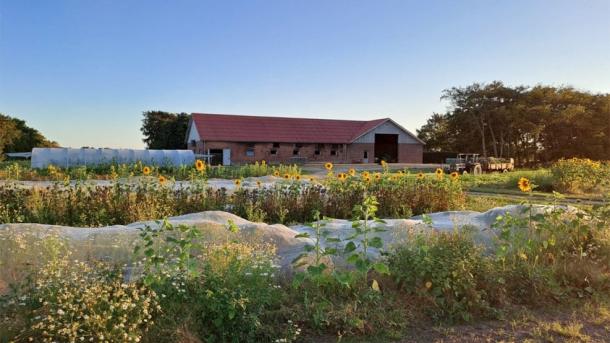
(164, 130)
(17, 136)
(531, 124)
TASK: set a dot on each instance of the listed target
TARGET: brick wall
(410, 153)
(352, 153)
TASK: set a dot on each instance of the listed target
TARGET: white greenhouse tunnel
(69, 157)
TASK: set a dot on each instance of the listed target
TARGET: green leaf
(381, 268)
(349, 247)
(376, 242)
(302, 235)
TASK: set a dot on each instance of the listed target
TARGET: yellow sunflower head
(297, 177)
(328, 166)
(146, 170)
(199, 165)
(454, 175)
(341, 176)
(162, 179)
(311, 179)
(351, 172)
(524, 184)
(237, 182)
(366, 174)
(276, 173)
(367, 179)
(287, 176)
(420, 175)
(439, 173)
(259, 184)
(384, 163)
(377, 176)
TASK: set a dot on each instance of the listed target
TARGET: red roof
(240, 128)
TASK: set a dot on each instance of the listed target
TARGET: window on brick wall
(250, 150)
(366, 154)
(333, 150)
(318, 149)
(274, 148)
(297, 147)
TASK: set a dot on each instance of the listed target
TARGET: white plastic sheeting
(68, 157)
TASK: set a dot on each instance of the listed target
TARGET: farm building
(236, 139)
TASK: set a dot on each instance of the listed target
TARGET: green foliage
(217, 292)
(532, 124)
(557, 253)
(164, 130)
(27, 138)
(449, 271)
(578, 175)
(72, 301)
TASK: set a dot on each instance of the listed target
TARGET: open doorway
(216, 157)
(386, 147)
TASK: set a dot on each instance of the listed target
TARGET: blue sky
(83, 71)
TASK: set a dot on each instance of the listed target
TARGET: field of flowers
(22, 171)
(179, 284)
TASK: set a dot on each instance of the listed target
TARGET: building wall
(388, 128)
(351, 153)
(410, 153)
(262, 151)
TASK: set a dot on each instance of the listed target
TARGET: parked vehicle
(475, 164)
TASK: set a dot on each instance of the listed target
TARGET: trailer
(475, 164)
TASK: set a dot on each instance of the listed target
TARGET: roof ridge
(364, 122)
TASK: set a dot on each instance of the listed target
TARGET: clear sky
(83, 71)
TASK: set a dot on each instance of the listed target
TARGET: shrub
(577, 175)
(223, 292)
(76, 301)
(556, 253)
(449, 270)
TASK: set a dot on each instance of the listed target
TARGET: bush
(553, 254)
(449, 271)
(577, 175)
(76, 301)
(216, 292)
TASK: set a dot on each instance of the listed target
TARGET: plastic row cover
(68, 157)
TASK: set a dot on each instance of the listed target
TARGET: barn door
(226, 157)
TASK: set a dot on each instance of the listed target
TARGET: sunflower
(524, 185)
(454, 176)
(401, 173)
(377, 176)
(384, 163)
(352, 172)
(287, 176)
(328, 166)
(276, 173)
(199, 165)
(367, 179)
(297, 177)
(259, 184)
(439, 173)
(237, 182)
(366, 174)
(146, 170)
(263, 163)
(420, 176)
(162, 179)
(311, 179)
(341, 176)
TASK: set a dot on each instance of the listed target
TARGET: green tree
(28, 138)
(8, 132)
(164, 130)
(532, 124)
